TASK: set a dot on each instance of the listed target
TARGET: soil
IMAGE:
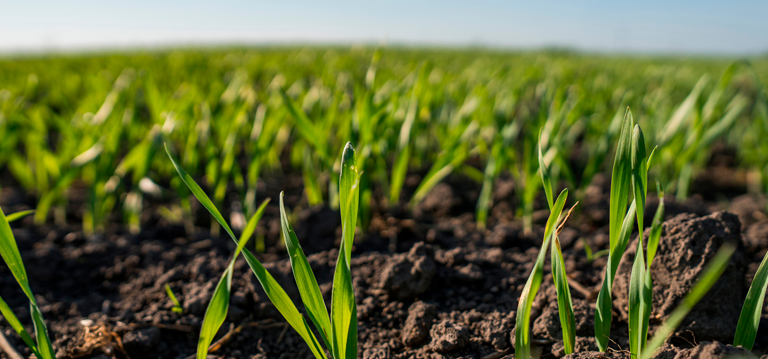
(428, 282)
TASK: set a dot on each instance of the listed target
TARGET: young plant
(620, 227)
(641, 285)
(749, 319)
(339, 331)
(709, 276)
(176, 305)
(41, 347)
(559, 276)
(524, 304)
(640, 290)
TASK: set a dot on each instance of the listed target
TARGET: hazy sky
(714, 27)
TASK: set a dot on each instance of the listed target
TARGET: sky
(736, 27)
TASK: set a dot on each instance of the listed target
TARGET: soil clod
(687, 244)
(448, 336)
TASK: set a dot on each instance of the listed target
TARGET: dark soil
(428, 283)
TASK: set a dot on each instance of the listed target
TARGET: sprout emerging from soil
(565, 305)
(41, 346)
(337, 331)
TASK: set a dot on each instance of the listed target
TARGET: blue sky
(710, 27)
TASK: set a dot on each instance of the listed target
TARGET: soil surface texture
(428, 282)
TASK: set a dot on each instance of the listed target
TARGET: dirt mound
(687, 244)
(714, 350)
(409, 274)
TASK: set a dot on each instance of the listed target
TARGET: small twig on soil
(176, 327)
(8, 348)
(498, 355)
(282, 334)
(232, 331)
(263, 324)
(588, 294)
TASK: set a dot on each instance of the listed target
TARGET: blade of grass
(546, 178)
(217, 309)
(564, 302)
(524, 304)
(343, 306)
(637, 305)
(343, 311)
(620, 188)
(639, 174)
(305, 278)
(176, 305)
(655, 234)
(19, 215)
(639, 294)
(709, 276)
(15, 323)
(12, 257)
(751, 311)
(349, 197)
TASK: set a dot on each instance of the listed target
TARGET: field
(459, 153)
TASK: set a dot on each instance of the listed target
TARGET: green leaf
(176, 305)
(620, 188)
(343, 307)
(439, 170)
(284, 305)
(343, 311)
(546, 178)
(310, 175)
(639, 174)
(349, 197)
(399, 170)
(305, 278)
(306, 127)
(201, 196)
(217, 309)
(12, 257)
(678, 118)
(19, 215)
(637, 306)
(564, 302)
(495, 161)
(751, 311)
(524, 304)
(274, 291)
(215, 314)
(709, 276)
(44, 345)
(15, 323)
(655, 234)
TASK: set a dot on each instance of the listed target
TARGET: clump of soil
(714, 350)
(418, 324)
(686, 246)
(409, 274)
(705, 350)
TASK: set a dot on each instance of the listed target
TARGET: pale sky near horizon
(680, 26)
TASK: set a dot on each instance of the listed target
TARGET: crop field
(382, 203)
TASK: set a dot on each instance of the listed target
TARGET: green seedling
(176, 305)
(41, 347)
(751, 311)
(560, 277)
(620, 227)
(591, 256)
(523, 324)
(337, 331)
(640, 290)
